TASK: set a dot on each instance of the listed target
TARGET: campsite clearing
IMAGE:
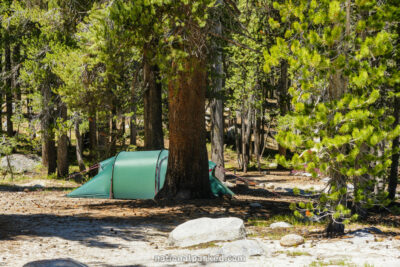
(40, 223)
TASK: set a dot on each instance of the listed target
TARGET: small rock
(204, 230)
(350, 187)
(280, 225)
(242, 247)
(255, 205)
(305, 232)
(291, 240)
(326, 180)
(228, 184)
(269, 186)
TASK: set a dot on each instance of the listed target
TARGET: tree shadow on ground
(19, 188)
(89, 221)
(127, 219)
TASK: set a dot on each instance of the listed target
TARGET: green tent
(135, 175)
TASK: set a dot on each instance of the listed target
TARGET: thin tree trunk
(103, 134)
(283, 100)
(92, 133)
(153, 134)
(49, 154)
(78, 137)
(1, 87)
(62, 144)
(133, 127)
(243, 135)
(237, 143)
(16, 58)
(8, 91)
(113, 131)
(187, 171)
(256, 132)
(394, 169)
(247, 135)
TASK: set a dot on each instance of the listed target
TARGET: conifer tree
(337, 54)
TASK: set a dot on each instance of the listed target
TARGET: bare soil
(39, 222)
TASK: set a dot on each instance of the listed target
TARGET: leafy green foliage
(339, 82)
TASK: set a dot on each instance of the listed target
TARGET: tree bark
(1, 87)
(243, 135)
(62, 144)
(394, 169)
(256, 132)
(153, 134)
(48, 144)
(283, 100)
(79, 149)
(113, 131)
(16, 58)
(237, 143)
(217, 105)
(92, 133)
(133, 128)
(246, 131)
(133, 125)
(8, 91)
(187, 172)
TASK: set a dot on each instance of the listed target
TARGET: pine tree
(337, 54)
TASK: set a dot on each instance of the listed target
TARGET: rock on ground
(204, 230)
(242, 247)
(280, 225)
(255, 205)
(55, 263)
(21, 163)
(363, 235)
(291, 240)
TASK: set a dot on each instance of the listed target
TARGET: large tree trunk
(394, 169)
(217, 105)
(8, 91)
(49, 159)
(187, 172)
(62, 144)
(153, 134)
(78, 137)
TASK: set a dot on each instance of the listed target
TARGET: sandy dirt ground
(37, 222)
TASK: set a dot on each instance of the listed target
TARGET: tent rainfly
(136, 175)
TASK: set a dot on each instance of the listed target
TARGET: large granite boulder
(204, 230)
(21, 163)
